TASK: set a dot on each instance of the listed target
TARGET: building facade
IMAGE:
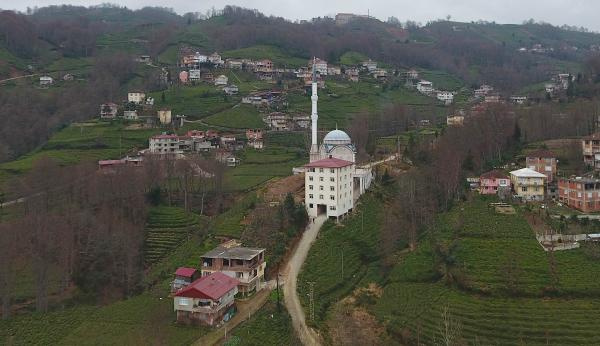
(246, 265)
(542, 161)
(528, 184)
(329, 187)
(136, 97)
(580, 193)
(590, 146)
(493, 182)
(207, 301)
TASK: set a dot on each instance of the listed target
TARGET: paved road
(307, 335)
(18, 77)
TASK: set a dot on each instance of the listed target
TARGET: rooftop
(187, 272)
(238, 252)
(543, 153)
(337, 136)
(331, 162)
(527, 173)
(212, 286)
(494, 174)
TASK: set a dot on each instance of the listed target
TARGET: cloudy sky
(571, 12)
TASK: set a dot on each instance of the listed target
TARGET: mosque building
(332, 182)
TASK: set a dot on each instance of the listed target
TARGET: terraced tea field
(167, 228)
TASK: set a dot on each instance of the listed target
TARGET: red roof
(543, 153)
(187, 272)
(331, 162)
(494, 174)
(212, 286)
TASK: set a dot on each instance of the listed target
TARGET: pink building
(492, 181)
(183, 77)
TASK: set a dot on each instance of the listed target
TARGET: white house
(425, 87)
(194, 75)
(329, 190)
(370, 65)
(231, 89)
(215, 59)
(483, 90)
(221, 80)
(46, 80)
(164, 116)
(320, 66)
(136, 97)
(518, 99)
(130, 115)
(445, 96)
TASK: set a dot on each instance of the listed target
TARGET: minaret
(314, 147)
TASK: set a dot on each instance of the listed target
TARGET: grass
(238, 117)
(167, 228)
(353, 58)
(273, 53)
(229, 223)
(194, 101)
(358, 239)
(269, 326)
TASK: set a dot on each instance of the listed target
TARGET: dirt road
(307, 335)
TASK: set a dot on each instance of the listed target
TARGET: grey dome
(337, 137)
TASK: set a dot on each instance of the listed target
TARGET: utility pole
(278, 301)
(311, 297)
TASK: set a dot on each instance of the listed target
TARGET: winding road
(307, 335)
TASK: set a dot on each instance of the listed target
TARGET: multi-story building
(170, 144)
(137, 97)
(329, 190)
(108, 111)
(528, 184)
(493, 182)
(445, 96)
(206, 301)
(246, 265)
(582, 193)
(455, 120)
(425, 87)
(590, 146)
(542, 161)
(319, 65)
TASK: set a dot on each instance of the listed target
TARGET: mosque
(333, 183)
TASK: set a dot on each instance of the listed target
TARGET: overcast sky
(558, 12)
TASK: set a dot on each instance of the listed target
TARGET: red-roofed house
(329, 187)
(542, 161)
(183, 278)
(206, 301)
(493, 181)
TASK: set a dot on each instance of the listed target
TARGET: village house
(425, 87)
(329, 187)
(445, 96)
(231, 89)
(319, 65)
(194, 75)
(164, 116)
(169, 144)
(215, 59)
(226, 157)
(130, 115)
(379, 74)
(247, 265)
(184, 77)
(518, 99)
(208, 300)
(334, 71)
(370, 65)
(264, 65)
(590, 146)
(494, 182)
(111, 166)
(455, 120)
(483, 90)
(581, 193)
(345, 18)
(550, 88)
(137, 97)
(68, 77)
(255, 138)
(183, 278)
(108, 110)
(46, 81)
(563, 80)
(412, 74)
(221, 80)
(492, 98)
(542, 161)
(528, 185)
(352, 74)
(234, 64)
(277, 121)
(301, 121)
(144, 59)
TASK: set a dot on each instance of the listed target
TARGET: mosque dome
(337, 137)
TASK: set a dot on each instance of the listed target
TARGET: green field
(273, 53)
(239, 117)
(194, 101)
(358, 239)
(353, 58)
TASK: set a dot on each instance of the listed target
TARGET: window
(331, 188)
(548, 168)
(310, 187)
(320, 170)
(332, 179)
(239, 274)
(320, 178)
(320, 187)
(332, 171)
(310, 196)
(524, 188)
(320, 196)
(332, 207)
(310, 178)
(184, 301)
(310, 205)
(332, 197)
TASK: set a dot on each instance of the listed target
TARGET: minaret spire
(314, 148)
